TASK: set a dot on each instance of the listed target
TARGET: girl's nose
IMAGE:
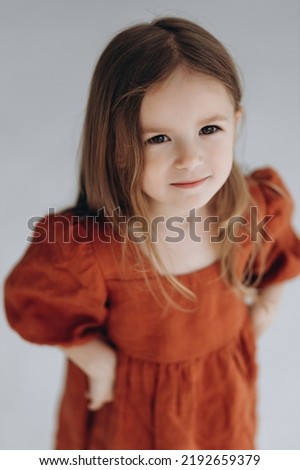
(188, 157)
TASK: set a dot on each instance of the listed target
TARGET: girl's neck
(184, 250)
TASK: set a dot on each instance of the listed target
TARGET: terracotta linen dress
(184, 380)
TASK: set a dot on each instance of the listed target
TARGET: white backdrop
(48, 52)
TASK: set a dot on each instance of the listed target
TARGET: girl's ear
(239, 114)
(121, 162)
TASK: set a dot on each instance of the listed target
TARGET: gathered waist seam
(190, 358)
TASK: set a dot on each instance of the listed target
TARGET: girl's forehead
(185, 91)
(184, 77)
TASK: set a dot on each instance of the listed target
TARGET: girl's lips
(190, 184)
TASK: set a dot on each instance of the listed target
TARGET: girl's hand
(98, 361)
(262, 316)
(264, 311)
(101, 385)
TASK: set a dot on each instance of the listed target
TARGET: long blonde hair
(112, 150)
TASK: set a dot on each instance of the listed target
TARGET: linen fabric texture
(184, 380)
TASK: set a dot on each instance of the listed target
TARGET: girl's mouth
(190, 184)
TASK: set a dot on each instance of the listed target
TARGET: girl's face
(188, 125)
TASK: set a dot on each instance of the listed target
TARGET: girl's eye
(209, 130)
(157, 139)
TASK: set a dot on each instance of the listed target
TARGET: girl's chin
(179, 210)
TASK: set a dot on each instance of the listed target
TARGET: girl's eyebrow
(216, 117)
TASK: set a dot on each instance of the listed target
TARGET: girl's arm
(264, 310)
(98, 361)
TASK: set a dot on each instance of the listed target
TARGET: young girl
(144, 282)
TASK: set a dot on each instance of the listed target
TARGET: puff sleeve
(56, 294)
(279, 256)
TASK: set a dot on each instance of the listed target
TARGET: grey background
(48, 52)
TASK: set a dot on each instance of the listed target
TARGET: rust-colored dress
(184, 380)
